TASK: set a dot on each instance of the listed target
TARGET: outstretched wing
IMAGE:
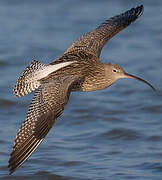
(95, 40)
(47, 104)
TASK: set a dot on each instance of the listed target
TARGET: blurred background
(111, 134)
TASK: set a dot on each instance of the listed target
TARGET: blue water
(111, 134)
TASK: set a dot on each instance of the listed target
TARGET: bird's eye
(114, 70)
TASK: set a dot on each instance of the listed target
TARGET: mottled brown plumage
(85, 73)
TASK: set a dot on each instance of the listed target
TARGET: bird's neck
(96, 80)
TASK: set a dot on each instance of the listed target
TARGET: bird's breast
(92, 82)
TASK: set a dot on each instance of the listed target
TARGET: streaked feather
(94, 41)
(47, 104)
(31, 76)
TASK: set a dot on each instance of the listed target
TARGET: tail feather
(31, 76)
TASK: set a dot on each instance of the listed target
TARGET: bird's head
(115, 72)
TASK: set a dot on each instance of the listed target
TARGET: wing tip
(132, 14)
(11, 171)
(139, 10)
(10, 168)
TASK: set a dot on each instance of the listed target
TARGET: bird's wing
(47, 104)
(95, 40)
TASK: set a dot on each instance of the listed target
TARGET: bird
(77, 69)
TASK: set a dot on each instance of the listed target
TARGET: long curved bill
(126, 75)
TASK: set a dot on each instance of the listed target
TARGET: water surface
(111, 134)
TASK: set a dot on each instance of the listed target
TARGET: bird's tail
(31, 76)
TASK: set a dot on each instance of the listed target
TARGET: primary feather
(61, 77)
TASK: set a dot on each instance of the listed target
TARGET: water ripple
(122, 133)
(111, 134)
